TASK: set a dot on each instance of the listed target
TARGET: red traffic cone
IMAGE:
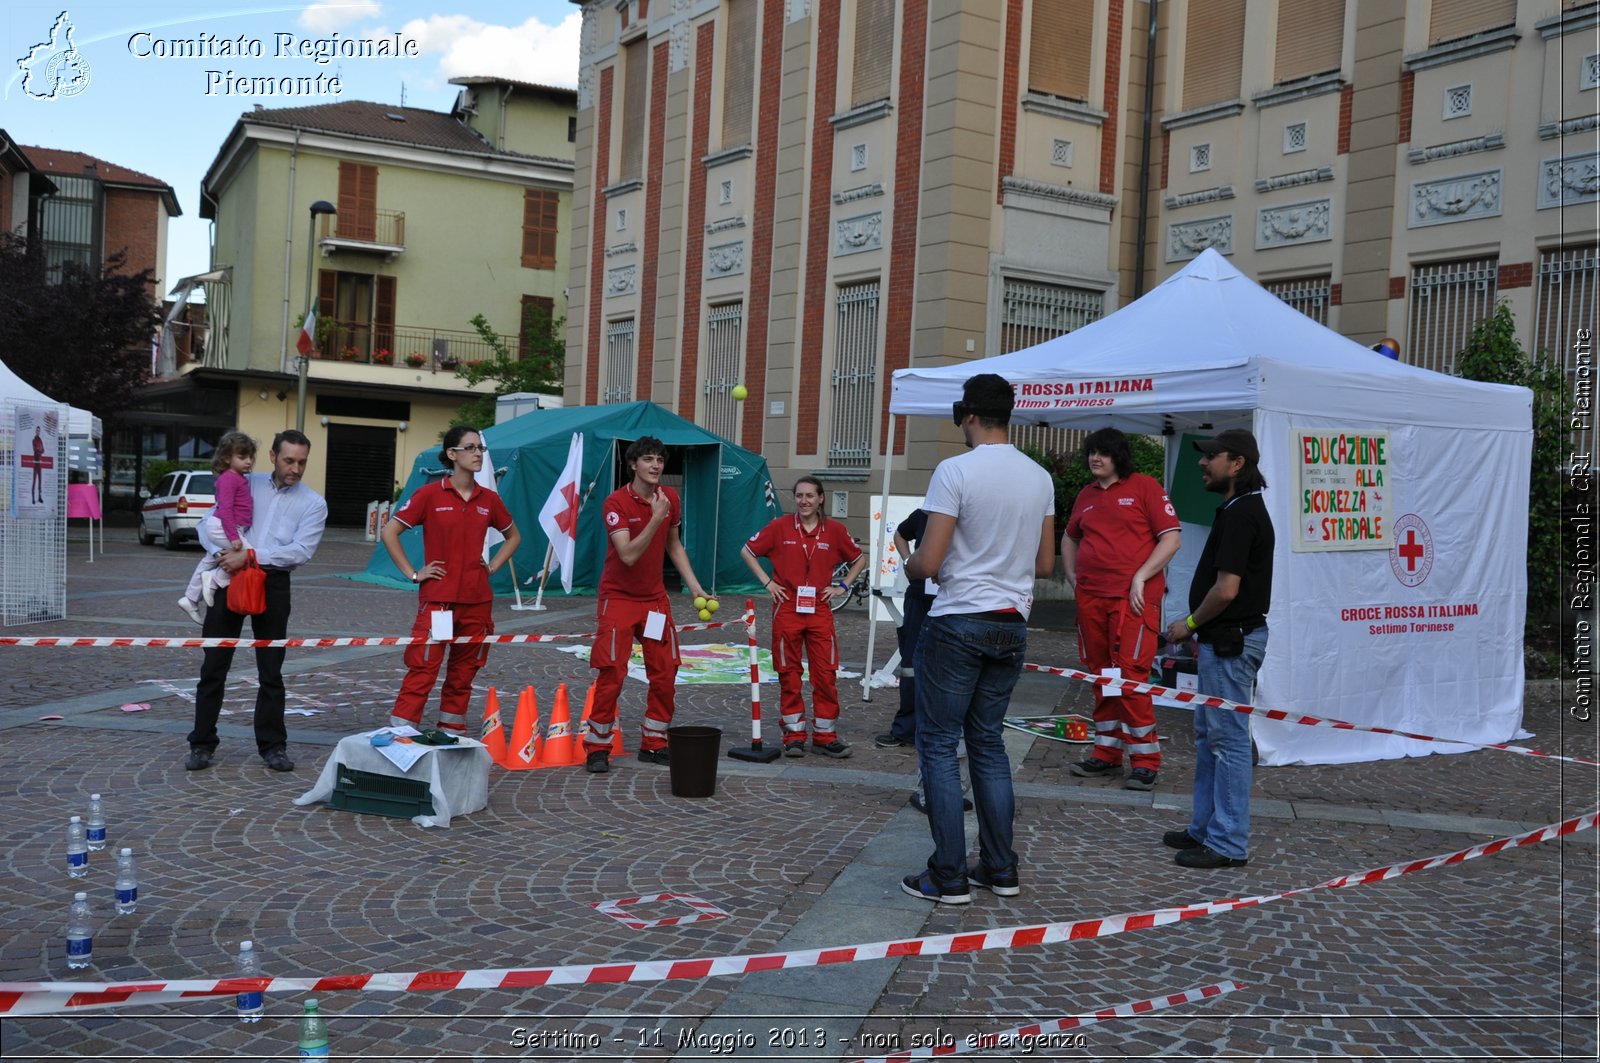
(557, 751)
(494, 729)
(526, 745)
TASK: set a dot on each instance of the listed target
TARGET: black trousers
(913, 611)
(224, 623)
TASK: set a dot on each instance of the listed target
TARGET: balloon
(1388, 347)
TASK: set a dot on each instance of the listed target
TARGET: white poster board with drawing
(888, 573)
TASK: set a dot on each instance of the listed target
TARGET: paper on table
(403, 753)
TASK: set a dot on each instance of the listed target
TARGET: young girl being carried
(224, 527)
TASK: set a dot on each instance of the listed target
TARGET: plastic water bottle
(313, 1033)
(251, 1005)
(95, 825)
(80, 931)
(127, 883)
(77, 848)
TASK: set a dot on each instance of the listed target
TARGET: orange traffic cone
(579, 753)
(494, 729)
(526, 746)
(557, 750)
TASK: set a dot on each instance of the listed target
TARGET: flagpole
(538, 602)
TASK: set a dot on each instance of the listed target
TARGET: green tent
(727, 493)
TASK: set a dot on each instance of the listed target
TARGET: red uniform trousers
(621, 623)
(1111, 636)
(424, 659)
(812, 633)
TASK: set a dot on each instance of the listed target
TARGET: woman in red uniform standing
(455, 514)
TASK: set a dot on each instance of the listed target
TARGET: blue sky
(164, 116)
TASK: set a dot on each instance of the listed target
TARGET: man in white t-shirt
(990, 534)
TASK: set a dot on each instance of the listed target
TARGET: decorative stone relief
(725, 260)
(1060, 193)
(586, 34)
(725, 192)
(722, 225)
(1294, 138)
(622, 249)
(864, 232)
(1453, 199)
(795, 10)
(850, 195)
(1290, 180)
(858, 157)
(1294, 223)
(1205, 195)
(678, 42)
(1564, 182)
(1457, 102)
(1568, 127)
(1589, 72)
(1199, 158)
(1187, 239)
(1060, 152)
(1487, 142)
(623, 280)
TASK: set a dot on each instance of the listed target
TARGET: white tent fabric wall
(33, 553)
(1209, 348)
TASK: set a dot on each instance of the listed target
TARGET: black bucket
(693, 765)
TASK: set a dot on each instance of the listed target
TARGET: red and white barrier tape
(73, 642)
(38, 998)
(1042, 1036)
(1283, 715)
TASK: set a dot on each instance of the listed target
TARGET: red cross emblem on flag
(1411, 557)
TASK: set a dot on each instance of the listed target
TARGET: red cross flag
(307, 339)
(559, 517)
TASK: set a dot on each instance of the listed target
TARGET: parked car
(172, 514)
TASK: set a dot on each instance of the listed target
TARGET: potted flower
(383, 356)
(449, 361)
(416, 360)
(350, 353)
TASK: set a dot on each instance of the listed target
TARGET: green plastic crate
(381, 795)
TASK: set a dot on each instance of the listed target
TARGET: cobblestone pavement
(1495, 958)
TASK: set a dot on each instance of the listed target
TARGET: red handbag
(247, 594)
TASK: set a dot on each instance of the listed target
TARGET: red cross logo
(1411, 557)
(1411, 550)
(567, 519)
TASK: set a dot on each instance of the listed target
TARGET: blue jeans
(913, 611)
(1222, 749)
(966, 669)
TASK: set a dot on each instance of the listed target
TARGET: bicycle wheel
(839, 601)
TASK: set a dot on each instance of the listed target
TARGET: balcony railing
(382, 229)
(405, 346)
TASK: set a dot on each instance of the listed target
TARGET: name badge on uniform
(443, 625)
(655, 625)
(805, 599)
(1111, 692)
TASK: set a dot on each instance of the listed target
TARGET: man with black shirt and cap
(1228, 602)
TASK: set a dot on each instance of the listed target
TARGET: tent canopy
(1428, 641)
(727, 491)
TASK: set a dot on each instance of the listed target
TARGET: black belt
(1001, 616)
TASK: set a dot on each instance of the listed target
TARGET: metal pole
(304, 366)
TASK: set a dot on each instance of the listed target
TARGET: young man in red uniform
(804, 550)
(454, 514)
(1122, 533)
(641, 521)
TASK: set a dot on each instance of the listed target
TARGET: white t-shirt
(999, 498)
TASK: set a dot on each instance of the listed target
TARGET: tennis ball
(705, 614)
(699, 602)
(712, 605)
(740, 393)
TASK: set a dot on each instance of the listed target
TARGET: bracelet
(767, 585)
(1189, 620)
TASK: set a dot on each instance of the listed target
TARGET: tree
(1069, 473)
(83, 339)
(537, 366)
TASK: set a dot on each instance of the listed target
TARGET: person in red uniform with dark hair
(804, 550)
(455, 514)
(641, 520)
(1122, 533)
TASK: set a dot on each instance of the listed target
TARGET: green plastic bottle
(313, 1033)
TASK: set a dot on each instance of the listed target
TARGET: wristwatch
(414, 575)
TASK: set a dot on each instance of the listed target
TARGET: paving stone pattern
(1492, 959)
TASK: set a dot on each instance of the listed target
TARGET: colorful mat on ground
(714, 662)
(1068, 727)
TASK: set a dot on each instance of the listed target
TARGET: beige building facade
(802, 196)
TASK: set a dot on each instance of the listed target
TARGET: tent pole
(872, 577)
(716, 526)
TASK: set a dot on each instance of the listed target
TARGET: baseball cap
(1234, 441)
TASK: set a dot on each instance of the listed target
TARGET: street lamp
(321, 206)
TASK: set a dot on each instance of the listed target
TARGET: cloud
(531, 51)
(325, 15)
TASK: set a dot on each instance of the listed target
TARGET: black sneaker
(598, 762)
(1140, 779)
(278, 760)
(999, 883)
(889, 741)
(1179, 839)
(653, 756)
(794, 749)
(1206, 857)
(919, 801)
(835, 749)
(922, 885)
(199, 760)
(1095, 768)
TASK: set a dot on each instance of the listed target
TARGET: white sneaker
(193, 609)
(208, 587)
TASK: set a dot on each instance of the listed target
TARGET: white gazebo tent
(33, 552)
(1429, 641)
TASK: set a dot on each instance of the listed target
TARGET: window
(358, 202)
(855, 371)
(540, 208)
(70, 222)
(739, 73)
(1309, 295)
(572, 129)
(1310, 38)
(1453, 19)
(635, 94)
(1059, 48)
(360, 311)
(618, 385)
(724, 369)
(1033, 312)
(874, 56)
(538, 311)
(1447, 299)
(1214, 52)
(1569, 290)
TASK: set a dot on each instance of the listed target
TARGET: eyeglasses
(473, 448)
